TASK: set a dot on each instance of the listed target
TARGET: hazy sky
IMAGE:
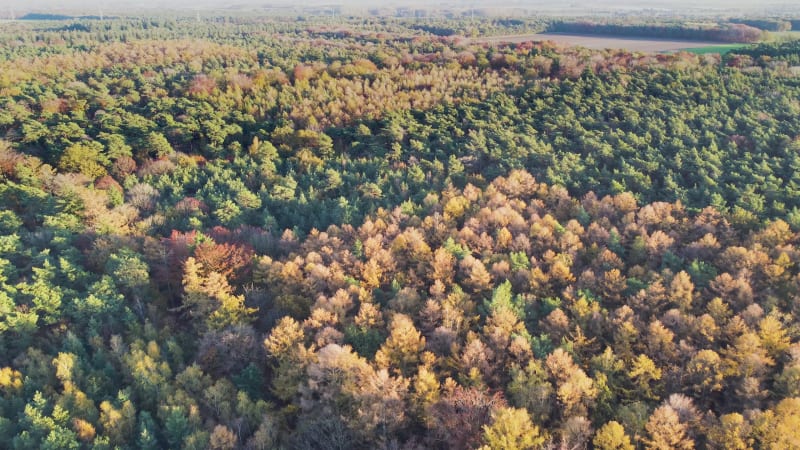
(92, 6)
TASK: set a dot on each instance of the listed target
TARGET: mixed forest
(308, 234)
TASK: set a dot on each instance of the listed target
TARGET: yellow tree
(773, 336)
(681, 291)
(118, 424)
(511, 429)
(705, 372)
(747, 357)
(402, 348)
(730, 434)
(666, 431)
(426, 392)
(285, 347)
(780, 428)
(574, 389)
(443, 266)
(611, 436)
(211, 298)
(644, 373)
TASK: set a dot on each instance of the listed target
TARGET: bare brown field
(599, 42)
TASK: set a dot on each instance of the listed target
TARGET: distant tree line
(766, 24)
(733, 32)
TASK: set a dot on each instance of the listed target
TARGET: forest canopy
(256, 234)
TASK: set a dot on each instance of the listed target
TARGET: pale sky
(93, 6)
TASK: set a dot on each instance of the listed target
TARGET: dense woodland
(266, 234)
(766, 24)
